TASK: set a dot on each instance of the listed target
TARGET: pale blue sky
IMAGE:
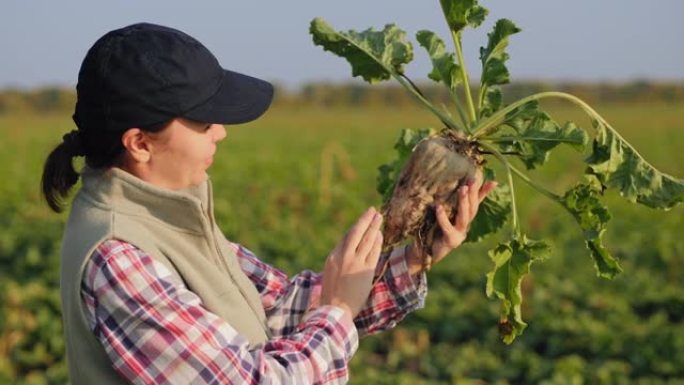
(42, 42)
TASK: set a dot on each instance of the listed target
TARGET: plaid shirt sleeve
(156, 331)
(287, 300)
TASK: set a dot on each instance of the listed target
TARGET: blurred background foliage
(288, 185)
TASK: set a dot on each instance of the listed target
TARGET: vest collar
(116, 189)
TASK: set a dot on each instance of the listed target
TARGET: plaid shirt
(156, 331)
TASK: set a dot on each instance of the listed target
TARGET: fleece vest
(176, 228)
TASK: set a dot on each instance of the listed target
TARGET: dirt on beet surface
(436, 169)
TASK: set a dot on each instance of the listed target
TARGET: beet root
(436, 169)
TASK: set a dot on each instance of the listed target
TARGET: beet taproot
(437, 167)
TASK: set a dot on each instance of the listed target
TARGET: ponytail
(102, 149)
(59, 174)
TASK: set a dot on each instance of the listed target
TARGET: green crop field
(288, 186)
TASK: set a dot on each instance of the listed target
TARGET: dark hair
(101, 149)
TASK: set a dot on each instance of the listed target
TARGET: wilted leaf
(617, 165)
(582, 201)
(512, 262)
(373, 55)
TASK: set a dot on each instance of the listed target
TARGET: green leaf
(534, 134)
(512, 262)
(617, 165)
(444, 64)
(494, 71)
(492, 101)
(462, 13)
(493, 212)
(494, 56)
(388, 173)
(582, 201)
(373, 55)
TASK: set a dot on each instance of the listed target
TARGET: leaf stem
(542, 190)
(413, 85)
(408, 84)
(456, 36)
(526, 138)
(497, 118)
(517, 234)
(403, 80)
(459, 109)
(554, 197)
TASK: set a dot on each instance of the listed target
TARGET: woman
(152, 292)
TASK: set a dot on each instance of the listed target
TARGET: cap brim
(239, 99)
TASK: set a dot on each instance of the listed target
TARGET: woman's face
(182, 152)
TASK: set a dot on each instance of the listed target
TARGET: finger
(474, 200)
(443, 220)
(334, 254)
(486, 189)
(481, 195)
(374, 254)
(462, 218)
(476, 180)
(369, 236)
(330, 267)
(359, 228)
(474, 186)
(451, 236)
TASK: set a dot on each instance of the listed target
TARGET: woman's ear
(137, 145)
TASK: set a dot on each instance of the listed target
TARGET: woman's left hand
(453, 234)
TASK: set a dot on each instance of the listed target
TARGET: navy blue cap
(145, 74)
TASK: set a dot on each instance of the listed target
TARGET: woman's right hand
(349, 269)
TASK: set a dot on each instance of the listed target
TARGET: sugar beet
(432, 175)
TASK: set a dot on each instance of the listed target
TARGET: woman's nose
(219, 132)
